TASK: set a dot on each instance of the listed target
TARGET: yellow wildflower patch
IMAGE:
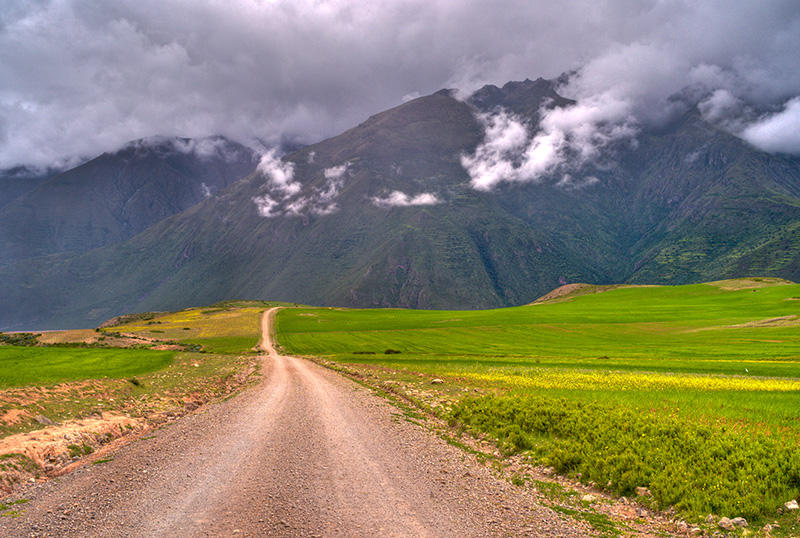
(594, 380)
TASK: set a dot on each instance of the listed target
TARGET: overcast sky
(81, 77)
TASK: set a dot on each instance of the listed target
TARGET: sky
(78, 78)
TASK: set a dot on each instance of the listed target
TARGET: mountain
(383, 215)
(117, 195)
(14, 182)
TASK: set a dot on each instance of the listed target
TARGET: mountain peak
(522, 97)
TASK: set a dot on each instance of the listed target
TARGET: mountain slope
(117, 195)
(17, 181)
(383, 215)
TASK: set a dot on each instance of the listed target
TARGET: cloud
(401, 199)
(266, 206)
(279, 174)
(79, 77)
(779, 132)
(285, 198)
(570, 183)
(567, 138)
(335, 172)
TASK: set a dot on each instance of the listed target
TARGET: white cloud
(109, 72)
(318, 201)
(778, 132)
(296, 207)
(279, 174)
(335, 172)
(266, 206)
(568, 137)
(401, 199)
(570, 183)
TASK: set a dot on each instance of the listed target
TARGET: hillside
(117, 195)
(17, 181)
(383, 215)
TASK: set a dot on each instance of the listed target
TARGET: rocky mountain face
(384, 215)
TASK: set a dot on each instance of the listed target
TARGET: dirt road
(305, 453)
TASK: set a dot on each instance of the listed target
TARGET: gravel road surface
(305, 453)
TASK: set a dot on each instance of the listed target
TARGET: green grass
(22, 366)
(719, 363)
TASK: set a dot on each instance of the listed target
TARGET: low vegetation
(689, 392)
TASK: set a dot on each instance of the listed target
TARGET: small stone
(682, 526)
(710, 518)
(790, 505)
(695, 531)
(642, 491)
(436, 381)
(43, 420)
(767, 529)
(726, 524)
(589, 498)
(739, 521)
(623, 500)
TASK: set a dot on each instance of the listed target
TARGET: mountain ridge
(384, 215)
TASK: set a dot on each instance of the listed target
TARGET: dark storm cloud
(81, 77)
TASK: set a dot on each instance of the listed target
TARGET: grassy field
(692, 391)
(231, 328)
(20, 366)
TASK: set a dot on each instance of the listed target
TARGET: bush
(19, 339)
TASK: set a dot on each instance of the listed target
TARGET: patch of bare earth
(749, 283)
(782, 321)
(570, 291)
(94, 338)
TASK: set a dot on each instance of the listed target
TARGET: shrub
(19, 339)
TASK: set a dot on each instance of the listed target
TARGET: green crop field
(692, 391)
(21, 366)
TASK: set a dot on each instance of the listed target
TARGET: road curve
(305, 453)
